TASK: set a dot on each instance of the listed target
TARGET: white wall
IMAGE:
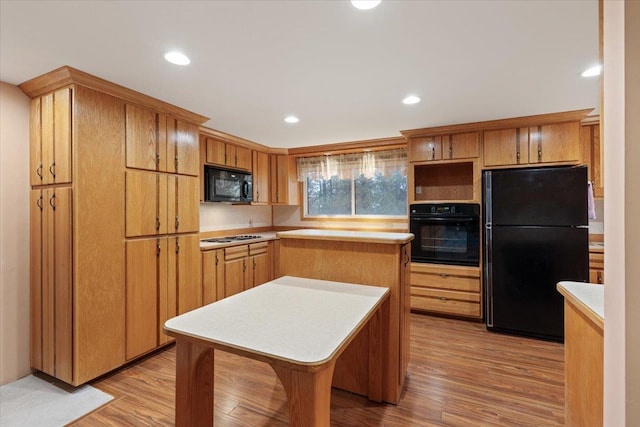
(289, 216)
(14, 233)
(622, 210)
(220, 216)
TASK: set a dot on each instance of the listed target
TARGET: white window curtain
(352, 165)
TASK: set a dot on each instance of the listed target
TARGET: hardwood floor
(459, 375)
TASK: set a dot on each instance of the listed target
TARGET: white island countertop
(587, 297)
(348, 236)
(291, 319)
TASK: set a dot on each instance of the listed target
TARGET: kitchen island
(368, 258)
(299, 326)
(584, 352)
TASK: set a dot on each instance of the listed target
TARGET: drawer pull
(443, 275)
(443, 298)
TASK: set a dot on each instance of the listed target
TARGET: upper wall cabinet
(160, 143)
(444, 147)
(50, 147)
(591, 153)
(284, 180)
(222, 153)
(506, 147)
(425, 149)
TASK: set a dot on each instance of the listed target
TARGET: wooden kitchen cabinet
(245, 266)
(425, 149)
(548, 143)
(461, 146)
(284, 180)
(160, 203)
(596, 267)
(592, 149)
(446, 289)
(51, 281)
(212, 276)
(50, 138)
(160, 143)
(84, 290)
(222, 153)
(260, 177)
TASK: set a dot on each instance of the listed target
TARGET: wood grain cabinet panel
(188, 262)
(222, 153)
(142, 146)
(260, 177)
(425, 149)
(444, 289)
(558, 142)
(260, 263)
(51, 282)
(50, 138)
(461, 145)
(591, 154)
(283, 180)
(596, 267)
(506, 147)
(243, 158)
(187, 149)
(212, 276)
(142, 296)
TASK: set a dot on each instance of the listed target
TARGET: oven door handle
(449, 219)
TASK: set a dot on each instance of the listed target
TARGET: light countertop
(264, 236)
(347, 236)
(587, 297)
(293, 319)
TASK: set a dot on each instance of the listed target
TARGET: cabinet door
(56, 282)
(425, 149)
(243, 158)
(215, 152)
(260, 269)
(141, 138)
(187, 204)
(462, 145)
(51, 138)
(167, 290)
(555, 143)
(141, 204)
(235, 269)
(260, 177)
(187, 249)
(590, 154)
(187, 149)
(141, 296)
(36, 221)
(212, 276)
(279, 181)
(405, 310)
(168, 135)
(506, 147)
(230, 155)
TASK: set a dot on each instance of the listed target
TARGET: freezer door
(538, 196)
(525, 264)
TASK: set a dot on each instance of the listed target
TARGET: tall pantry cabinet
(82, 284)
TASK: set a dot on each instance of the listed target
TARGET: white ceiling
(343, 71)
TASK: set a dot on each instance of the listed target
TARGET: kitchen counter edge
(588, 298)
(348, 236)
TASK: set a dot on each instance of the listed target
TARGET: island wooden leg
(194, 384)
(308, 394)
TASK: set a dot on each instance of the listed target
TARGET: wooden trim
(590, 120)
(515, 122)
(65, 76)
(227, 137)
(346, 147)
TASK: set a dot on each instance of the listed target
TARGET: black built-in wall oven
(445, 233)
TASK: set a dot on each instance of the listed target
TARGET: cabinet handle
(157, 223)
(177, 246)
(257, 195)
(217, 259)
(600, 277)
(518, 155)
(406, 258)
(443, 298)
(39, 171)
(177, 222)
(433, 153)
(52, 201)
(443, 275)
(235, 159)
(39, 202)
(244, 266)
(158, 248)
(254, 264)
(539, 152)
(52, 169)
(175, 161)
(157, 159)
(450, 150)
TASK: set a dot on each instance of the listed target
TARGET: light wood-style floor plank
(459, 375)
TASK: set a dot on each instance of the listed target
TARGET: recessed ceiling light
(291, 119)
(365, 4)
(177, 58)
(593, 71)
(411, 99)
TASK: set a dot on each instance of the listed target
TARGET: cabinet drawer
(445, 281)
(235, 252)
(446, 306)
(258, 248)
(596, 260)
(445, 295)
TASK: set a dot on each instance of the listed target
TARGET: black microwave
(225, 185)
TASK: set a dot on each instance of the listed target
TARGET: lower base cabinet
(231, 270)
(163, 280)
(596, 267)
(446, 289)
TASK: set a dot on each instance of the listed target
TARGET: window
(355, 185)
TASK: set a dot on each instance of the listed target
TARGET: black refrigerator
(535, 235)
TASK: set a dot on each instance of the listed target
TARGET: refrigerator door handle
(488, 276)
